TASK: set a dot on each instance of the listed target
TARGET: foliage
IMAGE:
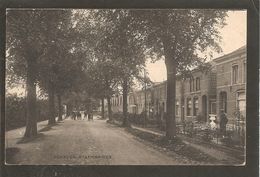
(15, 111)
(179, 36)
(189, 32)
(86, 54)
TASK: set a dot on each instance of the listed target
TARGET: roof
(236, 52)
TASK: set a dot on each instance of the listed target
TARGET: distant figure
(85, 114)
(78, 115)
(73, 115)
(90, 116)
(223, 122)
(82, 115)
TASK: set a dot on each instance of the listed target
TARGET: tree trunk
(125, 86)
(171, 91)
(145, 101)
(51, 105)
(102, 108)
(59, 107)
(109, 108)
(170, 108)
(31, 118)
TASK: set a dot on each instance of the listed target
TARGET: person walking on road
(85, 114)
(78, 115)
(90, 116)
(73, 115)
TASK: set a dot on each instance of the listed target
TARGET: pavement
(223, 154)
(82, 142)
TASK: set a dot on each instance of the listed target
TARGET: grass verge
(177, 146)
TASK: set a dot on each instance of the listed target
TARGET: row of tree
(100, 52)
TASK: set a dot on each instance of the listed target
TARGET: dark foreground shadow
(38, 137)
(49, 127)
(58, 122)
(10, 154)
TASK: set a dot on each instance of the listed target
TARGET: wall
(224, 81)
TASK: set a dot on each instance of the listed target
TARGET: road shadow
(38, 137)
(49, 127)
(10, 154)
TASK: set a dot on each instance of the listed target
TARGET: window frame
(195, 106)
(244, 74)
(197, 83)
(188, 107)
(177, 106)
(232, 74)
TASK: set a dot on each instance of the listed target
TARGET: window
(192, 86)
(195, 106)
(188, 107)
(241, 103)
(177, 108)
(197, 83)
(213, 108)
(234, 74)
(223, 101)
(244, 70)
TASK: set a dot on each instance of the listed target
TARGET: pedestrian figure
(78, 115)
(223, 122)
(73, 115)
(85, 114)
(90, 116)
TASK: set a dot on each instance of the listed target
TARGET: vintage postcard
(125, 87)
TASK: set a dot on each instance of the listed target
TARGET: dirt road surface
(83, 142)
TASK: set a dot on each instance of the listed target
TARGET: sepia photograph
(125, 87)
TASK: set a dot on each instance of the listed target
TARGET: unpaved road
(84, 142)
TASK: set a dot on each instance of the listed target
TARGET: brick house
(231, 85)
(198, 95)
(222, 86)
(159, 98)
(117, 103)
(137, 99)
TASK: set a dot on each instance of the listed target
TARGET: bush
(118, 116)
(189, 128)
(15, 112)
(200, 118)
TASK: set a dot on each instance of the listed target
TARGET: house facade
(198, 95)
(231, 86)
(139, 100)
(221, 87)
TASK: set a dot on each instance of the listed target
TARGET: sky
(234, 37)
